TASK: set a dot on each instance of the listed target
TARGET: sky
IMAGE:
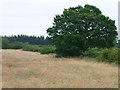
(33, 17)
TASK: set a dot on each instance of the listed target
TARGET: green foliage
(110, 55)
(43, 49)
(80, 28)
(16, 45)
(103, 56)
(5, 43)
(29, 47)
(94, 52)
(113, 55)
(46, 49)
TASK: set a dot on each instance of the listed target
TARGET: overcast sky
(33, 17)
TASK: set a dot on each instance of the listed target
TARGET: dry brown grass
(23, 69)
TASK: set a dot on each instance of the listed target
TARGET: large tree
(80, 28)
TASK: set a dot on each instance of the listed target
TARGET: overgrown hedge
(46, 49)
(29, 47)
(111, 55)
(16, 45)
(43, 49)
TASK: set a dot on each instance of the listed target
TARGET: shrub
(5, 43)
(113, 55)
(109, 55)
(103, 55)
(46, 49)
(43, 49)
(16, 45)
(94, 52)
(28, 47)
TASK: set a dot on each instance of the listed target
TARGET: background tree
(35, 40)
(80, 28)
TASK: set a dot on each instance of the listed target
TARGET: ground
(23, 69)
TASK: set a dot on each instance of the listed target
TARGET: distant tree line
(14, 42)
(35, 40)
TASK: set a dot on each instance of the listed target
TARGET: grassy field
(23, 69)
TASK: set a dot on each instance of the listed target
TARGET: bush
(94, 52)
(47, 49)
(113, 55)
(16, 45)
(103, 56)
(109, 55)
(43, 49)
(5, 43)
(28, 47)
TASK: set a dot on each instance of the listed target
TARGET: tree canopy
(80, 28)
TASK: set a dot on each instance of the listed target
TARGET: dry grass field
(22, 69)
